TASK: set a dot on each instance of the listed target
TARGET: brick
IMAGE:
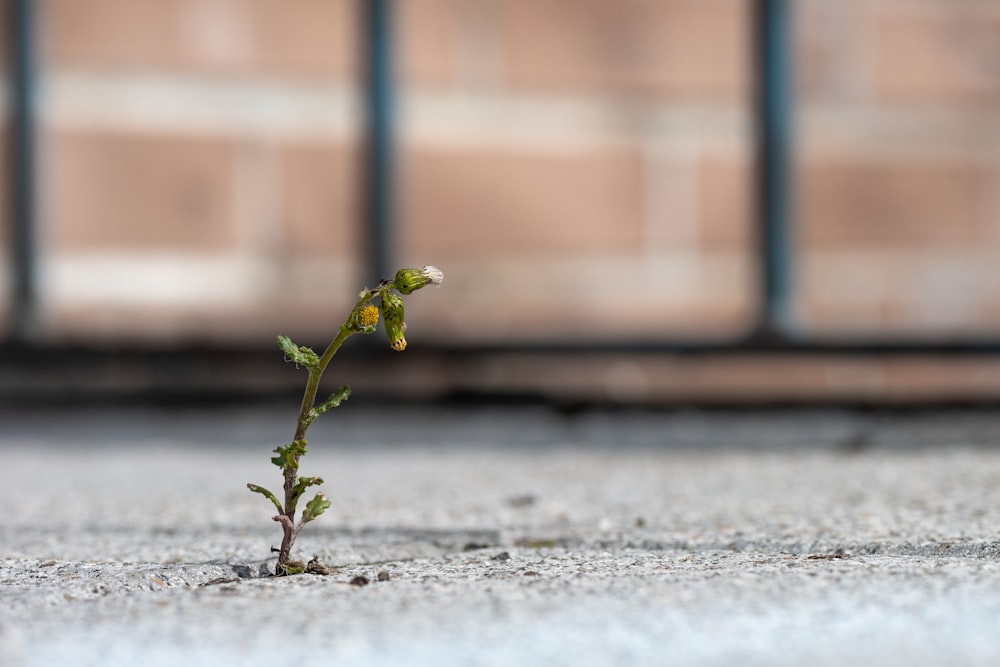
(942, 379)
(725, 204)
(661, 47)
(479, 201)
(428, 50)
(931, 291)
(945, 56)
(138, 191)
(309, 37)
(867, 201)
(112, 32)
(811, 51)
(320, 184)
(878, 315)
(315, 37)
(827, 58)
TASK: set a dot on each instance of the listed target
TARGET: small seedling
(362, 320)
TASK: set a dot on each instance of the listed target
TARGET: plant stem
(312, 386)
(287, 519)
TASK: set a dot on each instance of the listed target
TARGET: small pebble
(524, 500)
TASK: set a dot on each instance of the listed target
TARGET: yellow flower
(363, 319)
(368, 317)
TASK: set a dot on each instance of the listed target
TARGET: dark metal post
(378, 163)
(772, 60)
(21, 164)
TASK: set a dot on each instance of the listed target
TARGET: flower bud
(409, 280)
(392, 319)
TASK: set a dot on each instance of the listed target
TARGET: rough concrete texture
(504, 537)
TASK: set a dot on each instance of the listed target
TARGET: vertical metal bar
(772, 60)
(21, 163)
(378, 163)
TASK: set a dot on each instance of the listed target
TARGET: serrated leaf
(288, 455)
(267, 494)
(300, 487)
(300, 355)
(332, 401)
(319, 504)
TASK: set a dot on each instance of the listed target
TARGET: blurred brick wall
(900, 165)
(5, 240)
(579, 168)
(198, 168)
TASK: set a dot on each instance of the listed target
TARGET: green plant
(363, 319)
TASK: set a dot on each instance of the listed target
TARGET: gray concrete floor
(504, 537)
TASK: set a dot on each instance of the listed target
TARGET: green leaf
(267, 494)
(301, 485)
(300, 355)
(293, 567)
(314, 508)
(332, 401)
(288, 455)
